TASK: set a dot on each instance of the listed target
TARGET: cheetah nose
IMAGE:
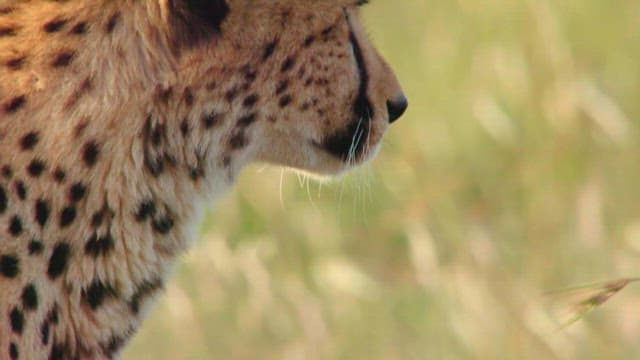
(396, 107)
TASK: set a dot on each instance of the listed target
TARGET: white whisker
(300, 180)
(354, 143)
(319, 189)
(313, 203)
(352, 152)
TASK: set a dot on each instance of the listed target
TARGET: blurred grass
(514, 172)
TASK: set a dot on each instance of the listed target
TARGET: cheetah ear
(193, 21)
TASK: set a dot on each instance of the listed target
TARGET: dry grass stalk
(589, 297)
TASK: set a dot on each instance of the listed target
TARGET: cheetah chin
(120, 119)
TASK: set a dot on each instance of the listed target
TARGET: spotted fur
(118, 117)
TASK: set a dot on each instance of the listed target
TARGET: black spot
(80, 28)
(196, 173)
(188, 97)
(9, 266)
(36, 167)
(238, 141)
(309, 40)
(17, 321)
(3, 200)
(29, 140)
(29, 297)
(154, 165)
(145, 289)
(282, 87)
(157, 134)
(21, 189)
(211, 119)
(247, 120)
(15, 104)
(35, 247)
(287, 64)
(7, 31)
(328, 30)
(58, 260)
(58, 352)
(146, 209)
(250, 100)
(231, 94)
(285, 101)
(184, 127)
(7, 172)
(164, 94)
(15, 226)
(67, 215)
(99, 245)
(16, 63)
(42, 212)
(44, 332)
(63, 59)
(77, 191)
(54, 25)
(97, 293)
(162, 225)
(90, 153)
(113, 21)
(269, 49)
(52, 315)
(96, 218)
(13, 351)
(59, 175)
(250, 75)
(154, 134)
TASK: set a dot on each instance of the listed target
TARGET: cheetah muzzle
(120, 120)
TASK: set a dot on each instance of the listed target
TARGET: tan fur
(133, 113)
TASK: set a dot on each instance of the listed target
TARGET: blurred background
(513, 175)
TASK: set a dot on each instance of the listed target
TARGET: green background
(514, 172)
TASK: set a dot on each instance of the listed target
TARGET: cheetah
(121, 119)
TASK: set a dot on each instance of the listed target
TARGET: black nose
(396, 107)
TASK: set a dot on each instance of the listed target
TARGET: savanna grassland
(515, 173)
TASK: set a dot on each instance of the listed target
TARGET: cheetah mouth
(350, 143)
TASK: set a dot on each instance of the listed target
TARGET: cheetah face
(325, 95)
(334, 97)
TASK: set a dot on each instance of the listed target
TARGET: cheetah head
(316, 93)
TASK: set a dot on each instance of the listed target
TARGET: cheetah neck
(143, 184)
